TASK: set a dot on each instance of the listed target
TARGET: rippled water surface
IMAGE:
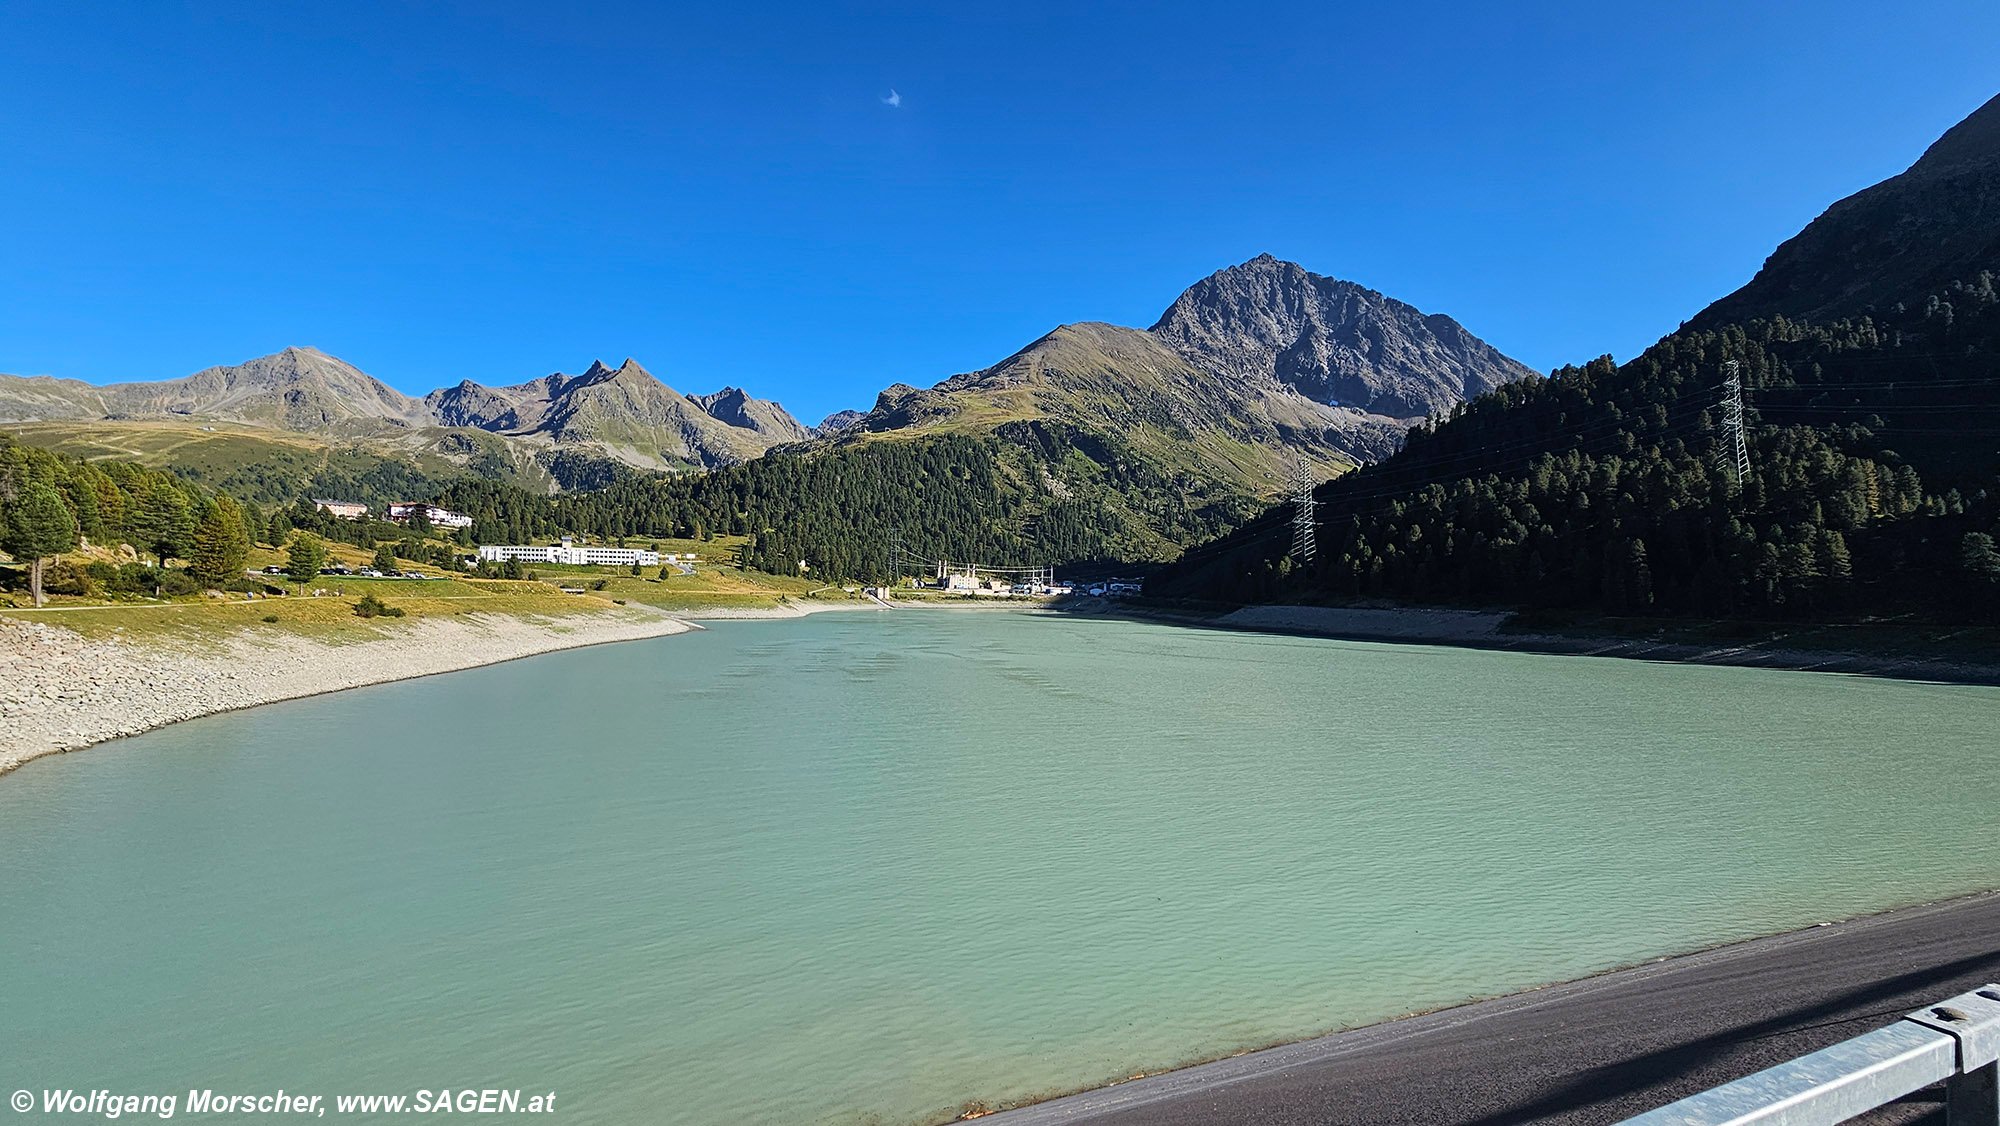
(873, 867)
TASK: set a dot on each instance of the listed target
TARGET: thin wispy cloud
(894, 100)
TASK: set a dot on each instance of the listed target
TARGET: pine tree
(160, 521)
(1977, 557)
(220, 545)
(305, 557)
(385, 558)
(39, 524)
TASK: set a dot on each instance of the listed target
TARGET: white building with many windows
(571, 553)
(403, 512)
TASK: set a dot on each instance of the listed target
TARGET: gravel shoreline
(1476, 629)
(61, 691)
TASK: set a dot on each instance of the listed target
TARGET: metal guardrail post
(1972, 1098)
(1972, 1020)
(1956, 1041)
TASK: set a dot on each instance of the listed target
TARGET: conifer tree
(220, 545)
(161, 522)
(38, 524)
(1976, 555)
(305, 557)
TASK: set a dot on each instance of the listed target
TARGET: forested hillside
(985, 499)
(1872, 483)
(1870, 351)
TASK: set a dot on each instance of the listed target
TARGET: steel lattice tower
(1302, 514)
(1732, 417)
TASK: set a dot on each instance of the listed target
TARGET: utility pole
(1302, 516)
(895, 555)
(1732, 417)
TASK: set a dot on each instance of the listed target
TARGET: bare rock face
(836, 422)
(733, 406)
(1913, 234)
(469, 404)
(1270, 322)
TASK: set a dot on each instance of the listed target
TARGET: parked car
(274, 570)
(369, 573)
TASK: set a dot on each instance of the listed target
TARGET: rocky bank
(60, 691)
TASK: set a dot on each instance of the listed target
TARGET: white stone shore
(61, 691)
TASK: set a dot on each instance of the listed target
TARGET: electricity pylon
(1302, 513)
(1732, 417)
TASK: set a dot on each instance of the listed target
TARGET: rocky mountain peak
(1270, 321)
(737, 407)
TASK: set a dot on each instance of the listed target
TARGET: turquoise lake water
(878, 867)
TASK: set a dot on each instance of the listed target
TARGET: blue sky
(494, 192)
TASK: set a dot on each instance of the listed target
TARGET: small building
(406, 511)
(964, 584)
(342, 509)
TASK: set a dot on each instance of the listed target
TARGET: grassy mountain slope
(270, 466)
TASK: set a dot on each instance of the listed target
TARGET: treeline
(280, 474)
(842, 511)
(51, 504)
(1874, 484)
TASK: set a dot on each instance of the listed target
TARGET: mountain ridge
(1935, 223)
(626, 410)
(1182, 426)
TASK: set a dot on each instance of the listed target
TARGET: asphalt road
(1593, 1051)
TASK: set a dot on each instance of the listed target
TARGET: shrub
(140, 578)
(64, 577)
(270, 617)
(600, 584)
(373, 607)
(126, 578)
(175, 582)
